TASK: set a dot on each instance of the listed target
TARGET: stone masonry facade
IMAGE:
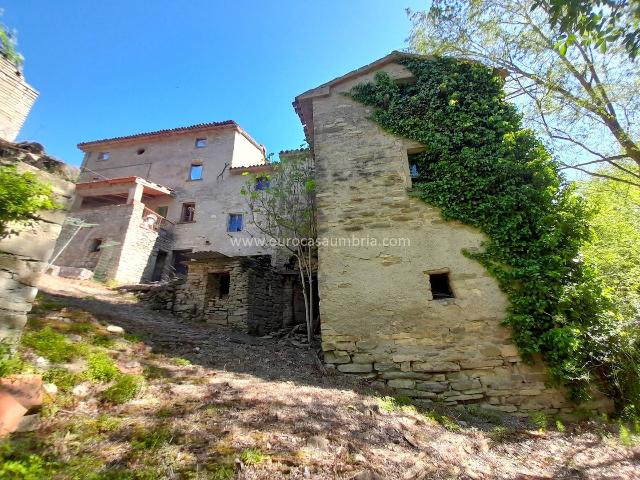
(244, 293)
(24, 254)
(16, 99)
(379, 315)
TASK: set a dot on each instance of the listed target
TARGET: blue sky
(109, 68)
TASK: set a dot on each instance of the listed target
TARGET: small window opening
(201, 142)
(218, 285)
(440, 286)
(235, 222)
(96, 243)
(188, 212)
(141, 151)
(103, 156)
(416, 158)
(195, 173)
(262, 183)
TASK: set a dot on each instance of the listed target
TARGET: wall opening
(188, 213)
(179, 259)
(440, 286)
(158, 268)
(96, 243)
(218, 285)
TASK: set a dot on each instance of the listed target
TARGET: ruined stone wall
(379, 317)
(16, 99)
(24, 254)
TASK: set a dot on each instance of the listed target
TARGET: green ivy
(482, 168)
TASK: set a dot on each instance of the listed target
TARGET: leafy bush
(51, 345)
(125, 388)
(18, 463)
(101, 368)
(21, 196)
(482, 168)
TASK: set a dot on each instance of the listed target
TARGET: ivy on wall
(482, 168)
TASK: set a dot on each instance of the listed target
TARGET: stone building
(398, 299)
(148, 200)
(16, 99)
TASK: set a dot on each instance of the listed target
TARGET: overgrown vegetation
(126, 387)
(51, 345)
(22, 195)
(482, 168)
(8, 43)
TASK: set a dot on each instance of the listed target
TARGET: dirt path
(247, 393)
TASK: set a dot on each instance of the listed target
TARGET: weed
(182, 362)
(17, 462)
(132, 337)
(443, 420)
(101, 368)
(111, 283)
(475, 413)
(560, 426)
(125, 388)
(164, 413)
(143, 439)
(253, 456)
(540, 420)
(499, 433)
(62, 378)
(152, 372)
(626, 437)
(221, 471)
(81, 328)
(389, 404)
(104, 341)
(10, 362)
(51, 345)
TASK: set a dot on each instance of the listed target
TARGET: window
(417, 161)
(218, 285)
(188, 212)
(262, 183)
(201, 142)
(162, 211)
(235, 222)
(95, 245)
(103, 156)
(440, 287)
(195, 172)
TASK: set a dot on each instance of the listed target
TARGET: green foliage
(253, 456)
(125, 388)
(51, 345)
(18, 463)
(481, 168)
(182, 362)
(221, 472)
(443, 420)
(62, 378)
(105, 341)
(560, 426)
(153, 439)
(389, 404)
(8, 47)
(10, 361)
(101, 368)
(540, 420)
(599, 22)
(22, 195)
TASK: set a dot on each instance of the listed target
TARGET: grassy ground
(133, 405)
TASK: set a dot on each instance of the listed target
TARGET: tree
(22, 195)
(582, 98)
(283, 208)
(601, 21)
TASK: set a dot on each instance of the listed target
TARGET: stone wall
(24, 255)
(16, 99)
(256, 301)
(128, 251)
(379, 317)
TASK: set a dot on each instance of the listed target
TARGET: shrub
(10, 362)
(125, 388)
(101, 368)
(182, 362)
(104, 341)
(62, 378)
(22, 195)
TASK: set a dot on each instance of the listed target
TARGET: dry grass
(237, 410)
